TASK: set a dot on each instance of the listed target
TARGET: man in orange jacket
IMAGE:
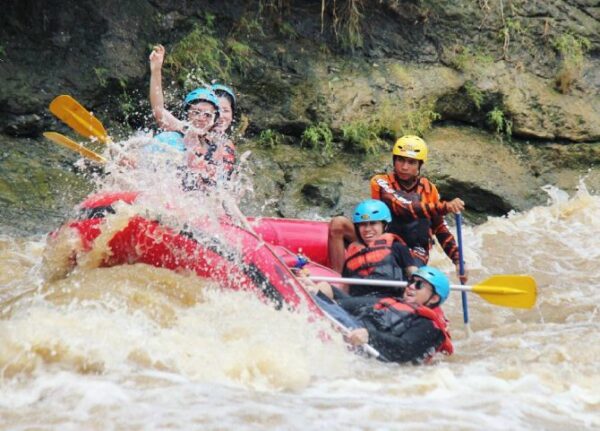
(417, 210)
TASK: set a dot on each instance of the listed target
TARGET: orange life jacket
(373, 261)
(436, 315)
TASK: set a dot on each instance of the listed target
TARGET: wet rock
(489, 176)
(38, 187)
(322, 193)
(565, 166)
(61, 39)
(529, 103)
(169, 20)
(265, 179)
(418, 58)
(538, 111)
(24, 126)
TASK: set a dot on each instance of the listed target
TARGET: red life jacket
(374, 261)
(436, 315)
(228, 158)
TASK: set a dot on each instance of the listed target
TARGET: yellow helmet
(412, 147)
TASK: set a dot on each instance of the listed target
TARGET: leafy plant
(347, 23)
(269, 138)
(419, 121)
(320, 138)
(346, 17)
(401, 75)
(199, 55)
(127, 104)
(362, 137)
(101, 75)
(402, 120)
(287, 30)
(474, 94)
(510, 27)
(464, 59)
(497, 119)
(209, 19)
(572, 50)
(202, 56)
(248, 26)
(240, 55)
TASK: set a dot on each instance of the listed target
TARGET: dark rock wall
(466, 59)
(93, 49)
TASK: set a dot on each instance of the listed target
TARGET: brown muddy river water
(136, 347)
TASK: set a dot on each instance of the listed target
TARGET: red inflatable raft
(234, 257)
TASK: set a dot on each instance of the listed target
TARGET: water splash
(110, 345)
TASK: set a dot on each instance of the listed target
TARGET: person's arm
(421, 338)
(340, 231)
(446, 240)
(382, 189)
(164, 118)
(314, 288)
(403, 258)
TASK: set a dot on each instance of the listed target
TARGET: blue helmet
(201, 95)
(371, 210)
(437, 279)
(220, 88)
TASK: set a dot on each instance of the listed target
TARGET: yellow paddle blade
(78, 118)
(72, 145)
(518, 291)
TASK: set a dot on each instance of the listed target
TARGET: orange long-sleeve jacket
(421, 201)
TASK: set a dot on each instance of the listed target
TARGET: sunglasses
(417, 283)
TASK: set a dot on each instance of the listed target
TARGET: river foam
(139, 347)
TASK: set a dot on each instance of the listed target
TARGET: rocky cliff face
(506, 92)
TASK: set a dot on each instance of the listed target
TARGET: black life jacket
(415, 233)
(391, 314)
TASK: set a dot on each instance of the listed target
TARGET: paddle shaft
(380, 283)
(515, 291)
(370, 350)
(74, 146)
(461, 267)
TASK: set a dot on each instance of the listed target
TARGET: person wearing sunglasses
(211, 152)
(411, 329)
